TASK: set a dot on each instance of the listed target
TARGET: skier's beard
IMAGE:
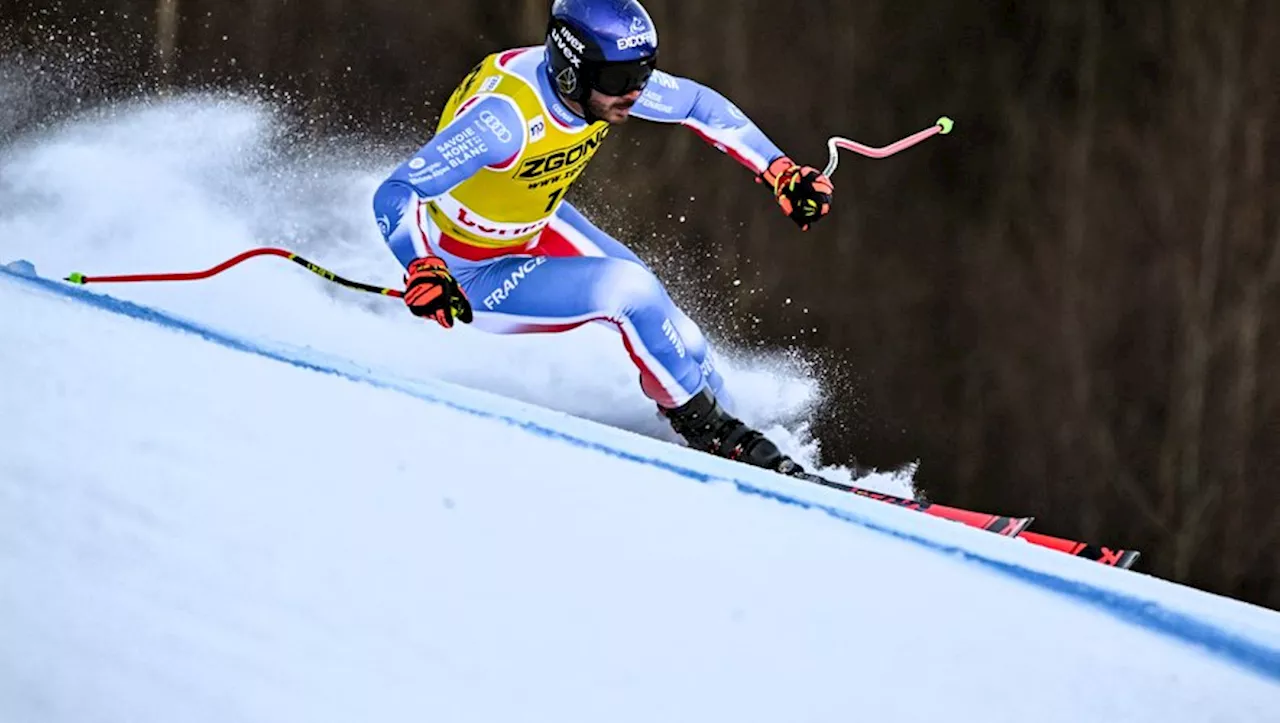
(611, 109)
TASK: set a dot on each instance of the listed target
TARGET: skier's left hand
(803, 192)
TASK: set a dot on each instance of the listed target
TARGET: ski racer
(478, 218)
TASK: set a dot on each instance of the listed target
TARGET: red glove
(431, 291)
(804, 193)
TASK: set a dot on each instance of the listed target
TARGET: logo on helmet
(569, 45)
(639, 35)
(567, 81)
(633, 41)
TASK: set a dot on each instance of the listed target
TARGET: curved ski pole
(835, 143)
(79, 278)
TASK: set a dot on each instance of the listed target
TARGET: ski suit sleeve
(487, 132)
(671, 99)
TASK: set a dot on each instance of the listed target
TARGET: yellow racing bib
(509, 204)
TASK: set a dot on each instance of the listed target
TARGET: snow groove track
(1244, 651)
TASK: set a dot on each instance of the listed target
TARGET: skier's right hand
(432, 292)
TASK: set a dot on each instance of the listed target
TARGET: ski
(999, 524)
(1123, 559)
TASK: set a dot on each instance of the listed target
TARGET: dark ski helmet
(608, 45)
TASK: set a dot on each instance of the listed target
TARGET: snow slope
(258, 499)
(200, 526)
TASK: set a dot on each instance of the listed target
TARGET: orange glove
(804, 193)
(431, 291)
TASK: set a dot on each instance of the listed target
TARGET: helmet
(608, 45)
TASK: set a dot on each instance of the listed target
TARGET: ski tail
(1112, 557)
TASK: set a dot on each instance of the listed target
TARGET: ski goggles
(618, 79)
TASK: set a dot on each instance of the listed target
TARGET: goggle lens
(618, 79)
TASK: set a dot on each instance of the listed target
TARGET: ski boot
(706, 426)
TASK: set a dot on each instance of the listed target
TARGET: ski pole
(79, 278)
(943, 126)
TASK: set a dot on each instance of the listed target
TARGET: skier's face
(612, 109)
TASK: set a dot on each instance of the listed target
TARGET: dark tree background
(1068, 307)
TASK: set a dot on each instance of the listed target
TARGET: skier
(478, 218)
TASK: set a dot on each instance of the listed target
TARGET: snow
(257, 499)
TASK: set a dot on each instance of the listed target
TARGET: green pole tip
(946, 123)
(76, 277)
